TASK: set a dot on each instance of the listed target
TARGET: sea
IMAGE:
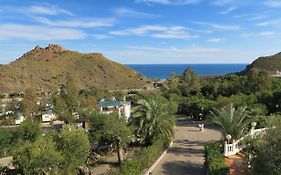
(163, 71)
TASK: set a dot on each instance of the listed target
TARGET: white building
(48, 117)
(19, 119)
(123, 108)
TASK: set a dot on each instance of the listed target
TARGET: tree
(28, 105)
(6, 136)
(190, 84)
(153, 119)
(40, 157)
(106, 128)
(68, 101)
(74, 146)
(258, 81)
(266, 150)
(231, 121)
(196, 105)
(28, 130)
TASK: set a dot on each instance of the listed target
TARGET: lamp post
(253, 124)
(228, 137)
(226, 146)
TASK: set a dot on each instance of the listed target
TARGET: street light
(253, 124)
(228, 137)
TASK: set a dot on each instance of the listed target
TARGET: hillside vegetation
(47, 69)
(268, 63)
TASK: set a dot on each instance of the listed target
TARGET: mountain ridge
(47, 68)
(270, 63)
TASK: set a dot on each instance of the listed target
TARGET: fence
(237, 146)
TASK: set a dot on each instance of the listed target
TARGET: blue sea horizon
(163, 71)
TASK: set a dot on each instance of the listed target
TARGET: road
(186, 156)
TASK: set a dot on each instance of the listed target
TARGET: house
(20, 118)
(123, 108)
(48, 117)
(277, 74)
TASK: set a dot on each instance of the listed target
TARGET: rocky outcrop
(54, 48)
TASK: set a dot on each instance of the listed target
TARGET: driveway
(186, 156)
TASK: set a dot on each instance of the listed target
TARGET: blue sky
(145, 31)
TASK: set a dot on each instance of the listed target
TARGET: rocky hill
(47, 69)
(268, 63)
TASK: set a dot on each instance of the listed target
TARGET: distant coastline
(163, 71)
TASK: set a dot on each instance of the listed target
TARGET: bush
(215, 159)
(2, 95)
(6, 136)
(142, 160)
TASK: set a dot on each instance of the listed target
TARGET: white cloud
(220, 27)
(225, 27)
(227, 11)
(267, 34)
(247, 35)
(130, 12)
(222, 2)
(38, 33)
(193, 49)
(216, 40)
(167, 55)
(157, 31)
(47, 10)
(101, 36)
(169, 2)
(276, 22)
(236, 3)
(83, 23)
(273, 3)
(254, 16)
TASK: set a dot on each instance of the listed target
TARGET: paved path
(186, 156)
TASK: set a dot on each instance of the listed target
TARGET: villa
(123, 108)
(48, 117)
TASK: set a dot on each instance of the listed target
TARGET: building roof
(114, 103)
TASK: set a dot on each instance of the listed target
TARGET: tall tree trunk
(119, 151)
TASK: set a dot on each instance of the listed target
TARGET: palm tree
(231, 121)
(153, 119)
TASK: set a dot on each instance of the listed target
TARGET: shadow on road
(182, 168)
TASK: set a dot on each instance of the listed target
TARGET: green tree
(153, 119)
(258, 81)
(28, 130)
(266, 150)
(74, 146)
(39, 157)
(195, 105)
(231, 121)
(104, 133)
(6, 136)
(190, 84)
(68, 101)
(28, 105)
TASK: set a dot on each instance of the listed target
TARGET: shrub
(6, 136)
(215, 159)
(142, 159)
(2, 95)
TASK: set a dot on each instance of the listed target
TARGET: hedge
(142, 159)
(215, 159)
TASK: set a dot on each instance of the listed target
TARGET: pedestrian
(202, 127)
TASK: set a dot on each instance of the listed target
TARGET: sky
(145, 31)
